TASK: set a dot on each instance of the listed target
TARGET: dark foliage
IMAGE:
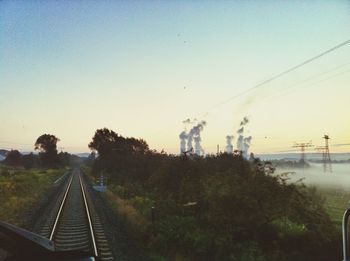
(13, 158)
(29, 161)
(114, 150)
(47, 158)
(47, 146)
(219, 207)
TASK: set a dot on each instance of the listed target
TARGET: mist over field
(309, 156)
(339, 178)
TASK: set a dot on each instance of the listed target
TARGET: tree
(118, 155)
(103, 141)
(107, 142)
(29, 161)
(47, 146)
(13, 158)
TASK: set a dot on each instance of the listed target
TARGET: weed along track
(74, 224)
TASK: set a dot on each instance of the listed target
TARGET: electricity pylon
(327, 163)
(302, 146)
(326, 158)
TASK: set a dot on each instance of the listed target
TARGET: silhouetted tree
(103, 141)
(115, 150)
(64, 158)
(13, 158)
(106, 141)
(47, 146)
(29, 161)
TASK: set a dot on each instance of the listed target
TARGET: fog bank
(339, 178)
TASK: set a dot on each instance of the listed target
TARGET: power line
(341, 145)
(282, 73)
(302, 146)
(321, 74)
(302, 83)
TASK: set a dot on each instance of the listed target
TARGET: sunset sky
(142, 67)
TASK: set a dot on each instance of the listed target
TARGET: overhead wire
(278, 75)
(286, 90)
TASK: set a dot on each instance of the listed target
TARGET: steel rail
(60, 209)
(88, 216)
(345, 234)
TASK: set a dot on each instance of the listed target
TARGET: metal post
(345, 234)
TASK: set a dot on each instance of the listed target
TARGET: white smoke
(244, 121)
(183, 137)
(243, 143)
(240, 142)
(193, 135)
(229, 146)
(187, 121)
(197, 146)
(246, 145)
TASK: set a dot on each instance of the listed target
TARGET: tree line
(218, 207)
(47, 157)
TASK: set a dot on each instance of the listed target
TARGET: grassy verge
(127, 211)
(128, 229)
(336, 203)
(131, 210)
(20, 189)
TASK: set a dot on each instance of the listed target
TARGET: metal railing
(345, 233)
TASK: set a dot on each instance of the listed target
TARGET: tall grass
(20, 189)
(337, 201)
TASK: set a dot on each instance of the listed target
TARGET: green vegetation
(20, 189)
(337, 200)
(214, 208)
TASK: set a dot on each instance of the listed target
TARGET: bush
(218, 208)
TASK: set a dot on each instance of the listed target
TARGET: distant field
(335, 186)
(336, 203)
(20, 189)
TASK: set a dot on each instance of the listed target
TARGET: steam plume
(229, 146)
(245, 121)
(240, 142)
(183, 137)
(243, 143)
(195, 134)
(246, 145)
(187, 121)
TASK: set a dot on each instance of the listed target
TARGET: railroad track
(74, 224)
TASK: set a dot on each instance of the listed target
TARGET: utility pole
(327, 163)
(302, 146)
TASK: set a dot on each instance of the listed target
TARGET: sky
(141, 68)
